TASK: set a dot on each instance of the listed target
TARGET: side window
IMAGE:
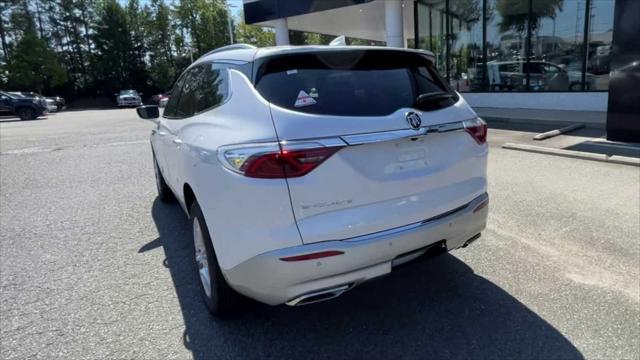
(172, 104)
(243, 68)
(533, 68)
(205, 87)
(551, 68)
(186, 105)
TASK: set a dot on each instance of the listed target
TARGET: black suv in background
(26, 108)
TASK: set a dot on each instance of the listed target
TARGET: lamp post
(230, 21)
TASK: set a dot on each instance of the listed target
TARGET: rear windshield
(348, 83)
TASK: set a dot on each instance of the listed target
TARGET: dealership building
(536, 59)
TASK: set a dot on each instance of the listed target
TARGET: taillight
(271, 161)
(477, 128)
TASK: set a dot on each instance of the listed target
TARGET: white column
(394, 23)
(282, 31)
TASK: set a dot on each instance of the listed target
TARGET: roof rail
(229, 47)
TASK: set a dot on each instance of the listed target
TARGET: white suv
(308, 170)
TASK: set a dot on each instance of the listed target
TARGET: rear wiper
(432, 97)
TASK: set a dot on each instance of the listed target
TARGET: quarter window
(172, 104)
(205, 87)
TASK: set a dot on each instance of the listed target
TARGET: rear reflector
(481, 206)
(317, 255)
(477, 128)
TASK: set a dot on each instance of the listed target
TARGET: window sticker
(291, 72)
(304, 99)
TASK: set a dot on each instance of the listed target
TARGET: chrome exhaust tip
(474, 238)
(318, 296)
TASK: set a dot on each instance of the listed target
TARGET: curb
(545, 122)
(556, 132)
(624, 160)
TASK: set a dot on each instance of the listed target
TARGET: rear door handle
(177, 141)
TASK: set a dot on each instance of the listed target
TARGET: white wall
(576, 101)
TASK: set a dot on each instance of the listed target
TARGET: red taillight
(318, 255)
(286, 163)
(477, 128)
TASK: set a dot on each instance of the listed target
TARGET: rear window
(348, 83)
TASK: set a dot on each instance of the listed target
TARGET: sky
(236, 5)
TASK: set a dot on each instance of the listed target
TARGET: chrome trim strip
(312, 143)
(369, 138)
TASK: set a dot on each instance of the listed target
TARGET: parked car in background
(26, 108)
(163, 100)
(51, 105)
(574, 71)
(512, 76)
(128, 98)
(325, 167)
(59, 101)
(29, 94)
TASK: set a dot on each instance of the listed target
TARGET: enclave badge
(414, 120)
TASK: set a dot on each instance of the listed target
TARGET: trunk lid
(389, 174)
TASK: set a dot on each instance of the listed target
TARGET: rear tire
(26, 114)
(164, 192)
(219, 297)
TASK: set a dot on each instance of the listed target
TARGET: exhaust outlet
(474, 238)
(320, 295)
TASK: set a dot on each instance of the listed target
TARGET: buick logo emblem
(414, 120)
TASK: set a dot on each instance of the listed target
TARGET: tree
(204, 22)
(33, 65)
(254, 35)
(112, 46)
(515, 13)
(162, 65)
(137, 22)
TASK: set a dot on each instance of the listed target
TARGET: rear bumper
(268, 279)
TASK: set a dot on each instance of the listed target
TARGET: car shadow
(437, 308)
(609, 149)
(10, 119)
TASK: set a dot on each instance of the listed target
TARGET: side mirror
(148, 112)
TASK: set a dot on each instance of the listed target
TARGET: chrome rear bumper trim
(368, 138)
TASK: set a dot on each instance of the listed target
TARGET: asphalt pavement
(93, 266)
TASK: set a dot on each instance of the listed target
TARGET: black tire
(222, 299)
(26, 113)
(164, 192)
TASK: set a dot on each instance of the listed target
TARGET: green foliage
(254, 35)
(205, 22)
(33, 65)
(113, 47)
(160, 37)
(97, 47)
(515, 13)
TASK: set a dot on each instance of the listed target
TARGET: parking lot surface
(93, 266)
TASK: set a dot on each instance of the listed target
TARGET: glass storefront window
(599, 44)
(466, 44)
(507, 26)
(531, 45)
(557, 40)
